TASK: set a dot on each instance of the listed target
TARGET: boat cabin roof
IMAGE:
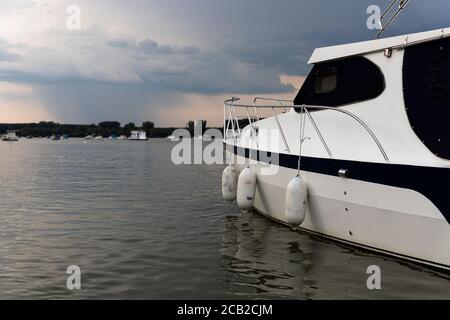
(358, 48)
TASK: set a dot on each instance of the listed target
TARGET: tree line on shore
(104, 129)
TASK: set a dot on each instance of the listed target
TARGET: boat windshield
(341, 82)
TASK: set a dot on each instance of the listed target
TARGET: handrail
(401, 5)
(325, 145)
(280, 101)
(281, 131)
(271, 99)
(340, 110)
(233, 99)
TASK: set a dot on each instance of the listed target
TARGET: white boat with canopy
(361, 155)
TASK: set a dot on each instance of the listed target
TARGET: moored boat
(10, 136)
(55, 137)
(138, 135)
(362, 154)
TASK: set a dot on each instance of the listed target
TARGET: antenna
(401, 5)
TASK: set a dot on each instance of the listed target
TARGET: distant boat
(122, 137)
(55, 137)
(89, 137)
(173, 138)
(138, 136)
(10, 136)
(98, 138)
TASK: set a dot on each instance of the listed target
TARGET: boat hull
(396, 221)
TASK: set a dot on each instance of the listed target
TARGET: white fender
(246, 189)
(229, 182)
(296, 201)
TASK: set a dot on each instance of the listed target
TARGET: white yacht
(138, 136)
(362, 153)
(10, 136)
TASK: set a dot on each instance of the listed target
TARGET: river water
(140, 227)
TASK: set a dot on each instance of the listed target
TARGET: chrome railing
(401, 5)
(254, 119)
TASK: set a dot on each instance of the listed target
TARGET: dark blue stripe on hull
(432, 182)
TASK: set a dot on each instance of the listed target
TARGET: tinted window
(426, 82)
(326, 83)
(341, 82)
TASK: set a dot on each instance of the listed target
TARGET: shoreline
(104, 129)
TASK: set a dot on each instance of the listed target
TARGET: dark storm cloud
(96, 101)
(284, 38)
(164, 68)
(121, 43)
(151, 47)
(251, 39)
(212, 74)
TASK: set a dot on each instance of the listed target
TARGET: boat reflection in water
(263, 259)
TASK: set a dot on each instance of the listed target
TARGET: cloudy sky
(171, 60)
